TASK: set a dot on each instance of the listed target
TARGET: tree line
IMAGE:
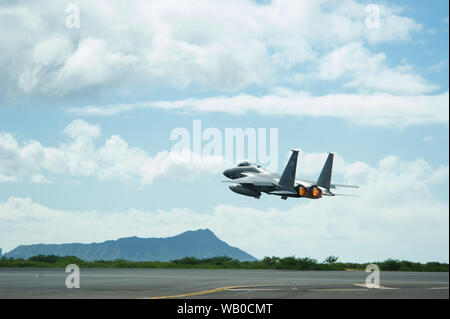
(224, 262)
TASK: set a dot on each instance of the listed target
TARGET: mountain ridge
(201, 243)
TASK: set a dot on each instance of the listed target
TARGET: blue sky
(86, 116)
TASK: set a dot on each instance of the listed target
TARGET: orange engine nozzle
(316, 192)
(302, 191)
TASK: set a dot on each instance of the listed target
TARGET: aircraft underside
(253, 180)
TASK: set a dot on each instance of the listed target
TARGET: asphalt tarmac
(218, 283)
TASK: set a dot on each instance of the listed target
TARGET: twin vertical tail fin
(287, 179)
(325, 176)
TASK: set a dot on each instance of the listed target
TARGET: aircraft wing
(253, 179)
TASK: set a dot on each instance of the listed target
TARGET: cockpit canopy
(247, 163)
(244, 163)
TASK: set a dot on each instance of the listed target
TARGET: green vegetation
(331, 259)
(287, 263)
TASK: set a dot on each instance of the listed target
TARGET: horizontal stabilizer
(332, 185)
(342, 185)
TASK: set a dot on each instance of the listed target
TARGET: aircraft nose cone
(227, 173)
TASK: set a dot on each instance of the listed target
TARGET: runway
(217, 283)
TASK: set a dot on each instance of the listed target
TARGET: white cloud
(396, 216)
(46, 55)
(438, 67)
(378, 109)
(5, 178)
(365, 71)
(39, 179)
(79, 128)
(115, 160)
(225, 46)
(55, 68)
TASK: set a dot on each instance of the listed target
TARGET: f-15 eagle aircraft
(252, 180)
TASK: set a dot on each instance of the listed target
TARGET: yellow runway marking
(198, 293)
(259, 289)
(205, 292)
(255, 288)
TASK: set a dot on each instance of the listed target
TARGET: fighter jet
(252, 180)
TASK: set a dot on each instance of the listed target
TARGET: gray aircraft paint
(252, 180)
(325, 176)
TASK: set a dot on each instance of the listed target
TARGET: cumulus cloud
(362, 70)
(115, 160)
(225, 46)
(45, 55)
(79, 129)
(78, 156)
(56, 68)
(396, 216)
